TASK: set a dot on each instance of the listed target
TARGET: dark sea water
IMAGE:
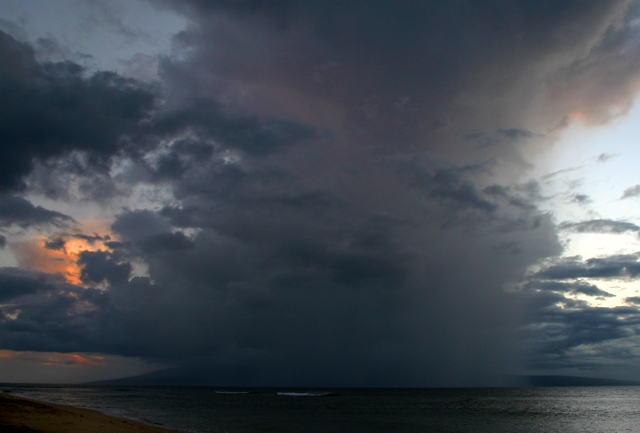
(477, 410)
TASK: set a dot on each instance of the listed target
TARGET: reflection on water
(481, 410)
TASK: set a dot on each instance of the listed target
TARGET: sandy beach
(21, 415)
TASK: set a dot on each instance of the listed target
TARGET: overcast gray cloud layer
(346, 203)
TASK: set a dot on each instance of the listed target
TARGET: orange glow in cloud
(7, 354)
(56, 367)
(577, 115)
(71, 359)
(53, 358)
(34, 256)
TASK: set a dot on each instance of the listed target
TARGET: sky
(319, 193)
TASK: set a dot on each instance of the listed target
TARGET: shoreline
(24, 415)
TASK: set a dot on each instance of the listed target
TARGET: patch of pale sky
(621, 289)
(582, 145)
(600, 162)
(114, 33)
(602, 178)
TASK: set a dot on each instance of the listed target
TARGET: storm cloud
(600, 226)
(14, 283)
(337, 191)
(626, 267)
(564, 330)
(18, 211)
(53, 109)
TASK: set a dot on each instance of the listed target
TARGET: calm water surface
(481, 410)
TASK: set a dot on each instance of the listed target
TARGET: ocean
(455, 410)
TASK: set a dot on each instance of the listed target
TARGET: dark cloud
(103, 14)
(573, 335)
(600, 226)
(485, 36)
(250, 134)
(114, 245)
(98, 266)
(581, 198)
(632, 191)
(166, 241)
(91, 239)
(183, 156)
(570, 334)
(282, 265)
(140, 224)
(63, 320)
(341, 202)
(446, 184)
(604, 157)
(3, 241)
(623, 267)
(577, 287)
(517, 134)
(633, 300)
(15, 283)
(564, 170)
(53, 109)
(56, 244)
(19, 211)
(571, 328)
(504, 193)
